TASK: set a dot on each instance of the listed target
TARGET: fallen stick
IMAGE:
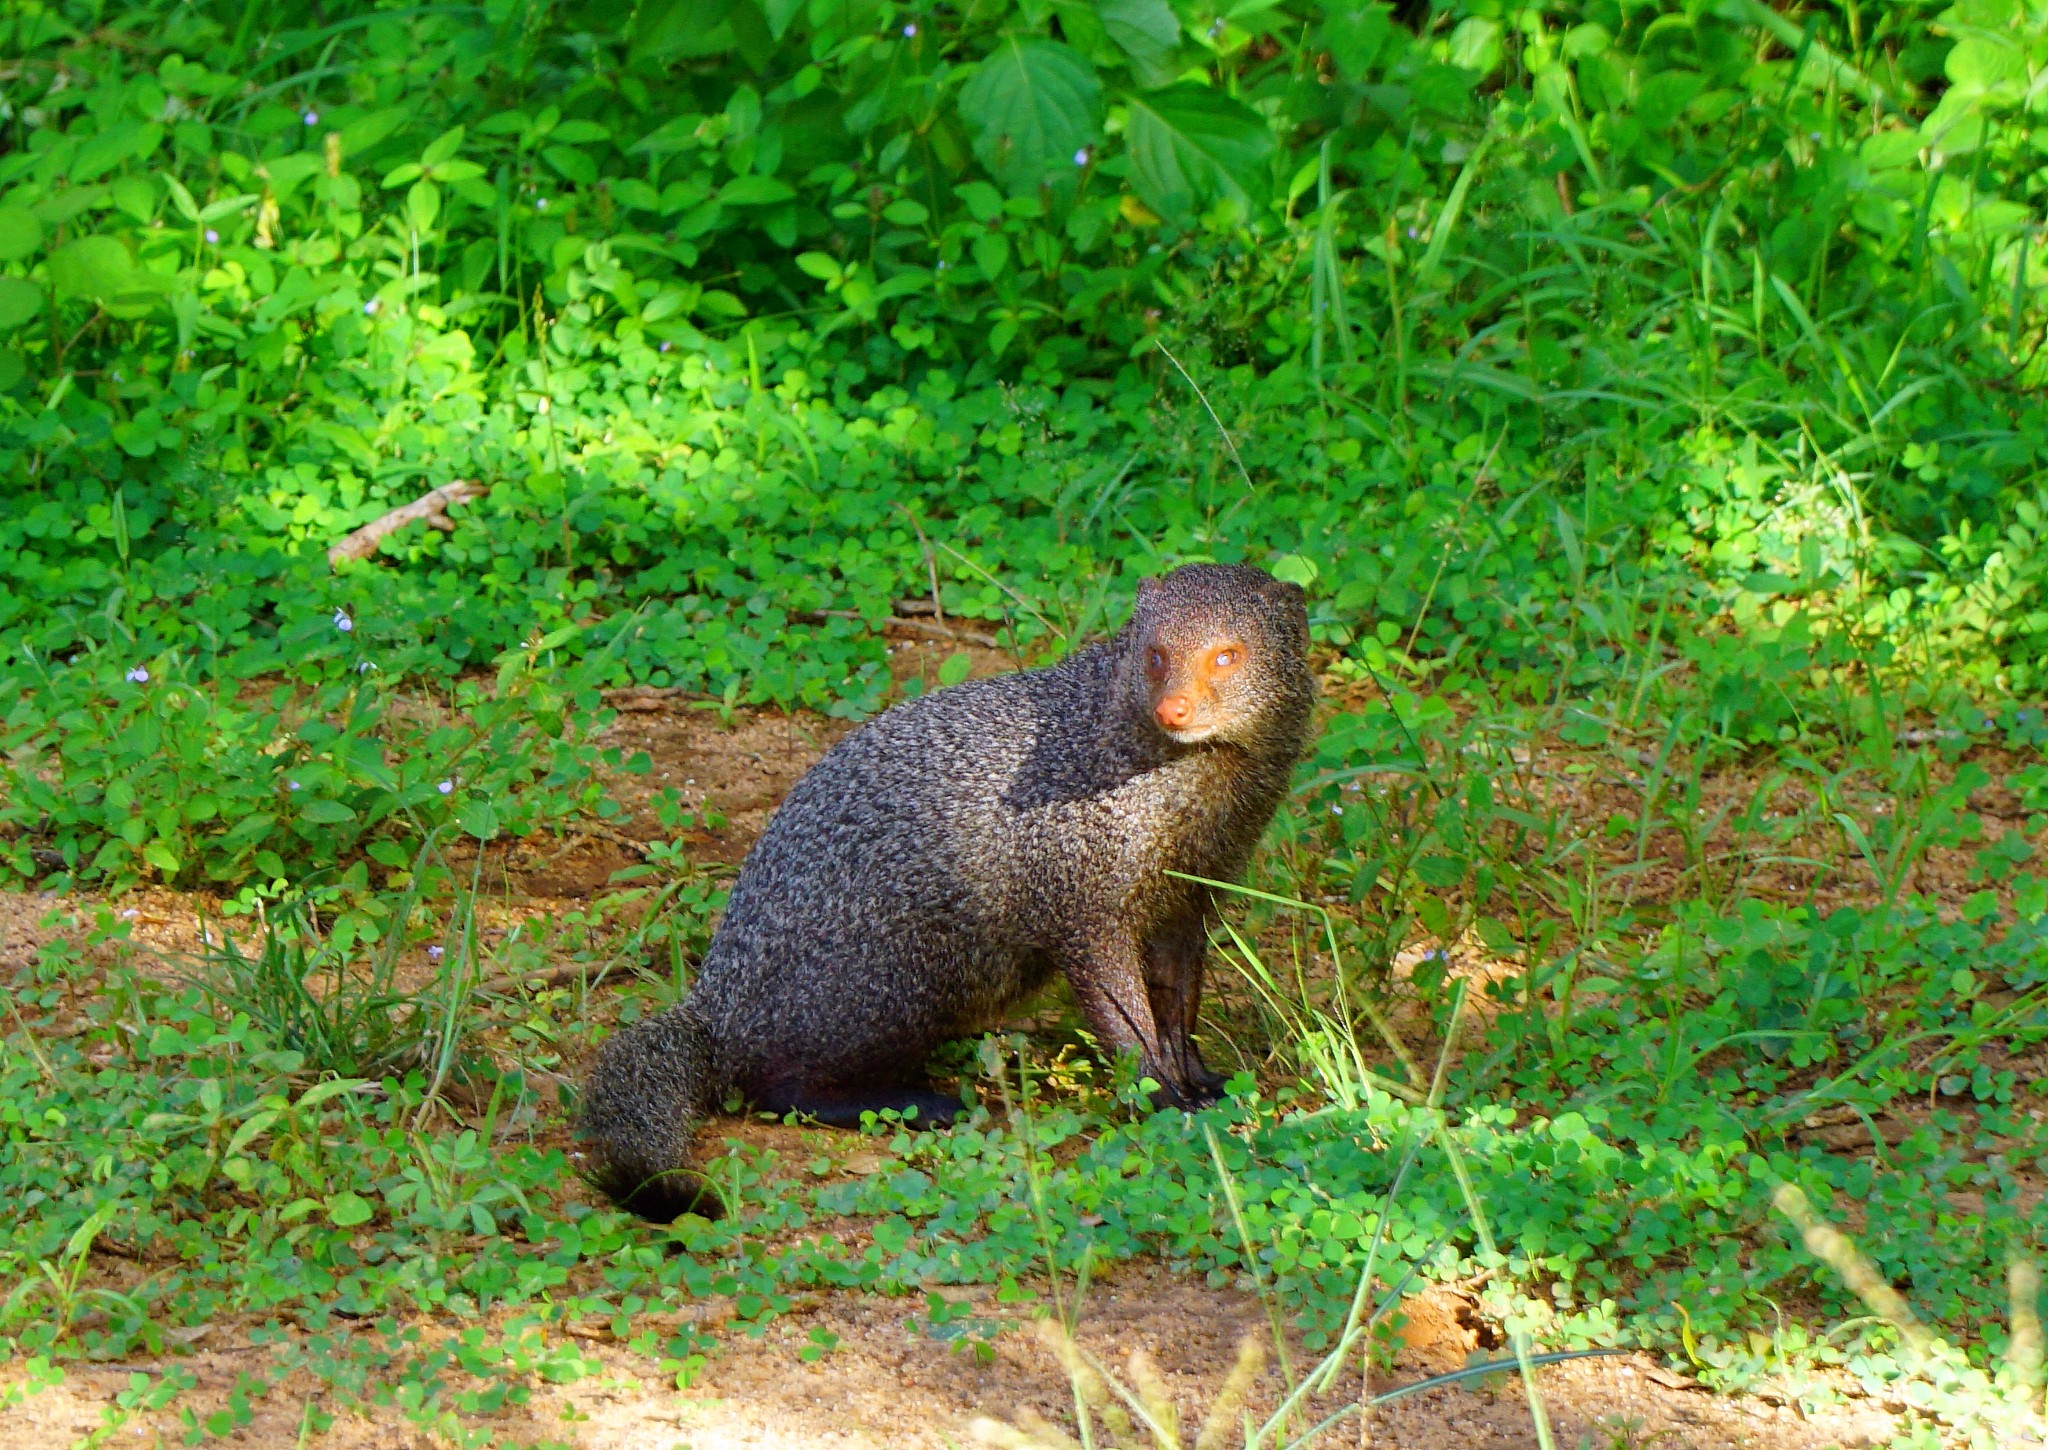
(430, 507)
(922, 628)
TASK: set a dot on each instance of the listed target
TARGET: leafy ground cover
(1646, 394)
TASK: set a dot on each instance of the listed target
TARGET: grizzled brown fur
(944, 860)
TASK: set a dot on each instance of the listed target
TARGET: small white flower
(342, 622)
(434, 954)
(910, 32)
(540, 203)
(364, 667)
(312, 118)
(1081, 157)
(138, 676)
(212, 235)
(291, 785)
(370, 307)
(666, 346)
(446, 787)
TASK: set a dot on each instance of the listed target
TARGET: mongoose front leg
(1173, 976)
(1108, 978)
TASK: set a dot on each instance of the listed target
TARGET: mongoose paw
(1204, 1091)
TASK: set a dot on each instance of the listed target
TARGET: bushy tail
(651, 1085)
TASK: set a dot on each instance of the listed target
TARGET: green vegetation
(1649, 395)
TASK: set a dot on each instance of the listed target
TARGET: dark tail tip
(650, 1085)
(664, 1198)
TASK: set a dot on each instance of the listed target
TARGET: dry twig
(430, 507)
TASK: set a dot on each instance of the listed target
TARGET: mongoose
(943, 860)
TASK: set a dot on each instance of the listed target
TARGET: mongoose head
(1224, 655)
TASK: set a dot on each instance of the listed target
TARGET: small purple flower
(1411, 234)
(370, 307)
(666, 346)
(910, 32)
(434, 954)
(312, 118)
(342, 622)
(291, 785)
(212, 235)
(138, 676)
(540, 203)
(1081, 157)
(446, 787)
(364, 667)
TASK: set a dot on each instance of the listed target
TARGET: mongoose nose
(1175, 712)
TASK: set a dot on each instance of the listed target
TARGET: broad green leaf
(679, 133)
(181, 198)
(675, 29)
(571, 163)
(632, 191)
(818, 264)
(288, 173)
(1984, 59)
(1148, 32)
(1190, 145)
(1295, 569)
(228, 206)
(991, 254)
(478, 817)
(366, 131)
(135, 196)
(332, 1088)
(1475, 45)
(20, 300)
(755, 191)
(445, 145)
(325, 812)
(1031, 106)
(1354, 36)
(97, 269)
(983, 202)
(20, 233)
(346, 1210)
(422, 205)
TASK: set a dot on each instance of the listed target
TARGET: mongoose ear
(1283, 592)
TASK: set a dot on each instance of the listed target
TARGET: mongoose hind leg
(842, 1107)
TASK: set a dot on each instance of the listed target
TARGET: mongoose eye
(1155, 660)
(1226, 659)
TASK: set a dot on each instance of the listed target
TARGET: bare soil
(888, 1387)
(886, 1384)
